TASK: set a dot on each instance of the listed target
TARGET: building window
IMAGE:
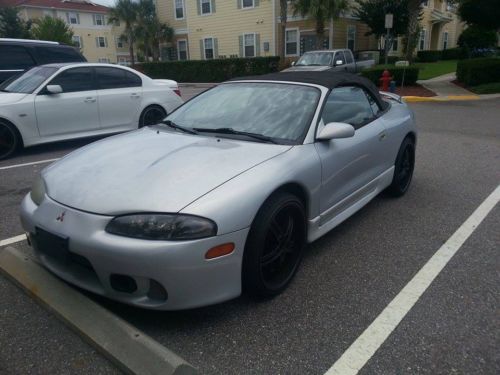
(247, 3)
(206, 6)
(249, 45)
(291, 38)
(425, 3)
(98, 19)
(104, 60)
(421, 42)
(77, 41)
(119, 42)
(101, 42)
(395, 44)
(351, 37)
(179, 9)
(73, 18)
(445, 40)
(208, 44)
(182, 49)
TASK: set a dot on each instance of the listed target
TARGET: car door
(72, 111)
(349, 164)
(349, 60)
(120, 96)
(339, 62)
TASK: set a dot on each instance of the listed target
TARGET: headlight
(38, 190)
(166, 227)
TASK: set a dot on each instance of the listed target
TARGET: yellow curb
(414, 99)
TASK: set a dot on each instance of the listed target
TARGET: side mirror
(293, 63)
(334, 130)
(54, 89)
(339, 62)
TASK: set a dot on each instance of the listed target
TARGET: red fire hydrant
(385, 80)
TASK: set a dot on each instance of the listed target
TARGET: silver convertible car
(223, 195)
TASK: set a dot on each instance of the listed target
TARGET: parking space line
(31, 163)
(130, 349)
(9, 241)
(365, 346)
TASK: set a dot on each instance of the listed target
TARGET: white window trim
(424, 31)
(213, 48)
(201, 9)
(99, 43)
(297, 41)
(94, 19)
(187, 49)
(77, 18)
(184, 10)
(245, 8)
(446, 39)
(117, 40)
(347, 37)
(79, 40)
(254, 45)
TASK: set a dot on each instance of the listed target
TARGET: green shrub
(429, 56)
(453, 54)
(210, 70)
(410, 74)
(475, 72)
(475, 37)
(390, 59)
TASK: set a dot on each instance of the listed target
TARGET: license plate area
(52, 245)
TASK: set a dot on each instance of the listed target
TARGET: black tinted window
(15, 57)
(349, 105)
(339, 56)
(348, 57)
(57, 54)
(375, 108)
(72, 80)
(113, 78)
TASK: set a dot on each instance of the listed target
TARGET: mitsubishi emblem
(61, 216)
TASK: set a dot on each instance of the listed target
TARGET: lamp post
(388, 25)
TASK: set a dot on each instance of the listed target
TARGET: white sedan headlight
(38, 190)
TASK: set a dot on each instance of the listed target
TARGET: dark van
(19, 55)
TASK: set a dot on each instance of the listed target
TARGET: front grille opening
(80, 260)
(123, 283)
(157, 291)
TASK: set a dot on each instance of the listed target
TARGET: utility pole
(388, 25)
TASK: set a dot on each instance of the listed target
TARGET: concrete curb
(128, 348)
(414, 99)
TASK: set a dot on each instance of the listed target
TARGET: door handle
(135, 96)
(89, 100)
(381, 136)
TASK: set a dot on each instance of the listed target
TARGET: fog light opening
(157, 291)
(123, 283)
(220, 250)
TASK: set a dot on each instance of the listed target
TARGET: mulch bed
(415, 90)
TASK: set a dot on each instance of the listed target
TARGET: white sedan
(65, 101)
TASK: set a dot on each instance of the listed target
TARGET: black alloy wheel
(9, 140)
(152, 115)
(275, 246)
(404, 166)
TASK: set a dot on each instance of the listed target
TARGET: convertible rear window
(276, 110)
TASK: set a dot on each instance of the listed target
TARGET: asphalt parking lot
(346, 279)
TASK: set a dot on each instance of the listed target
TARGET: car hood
(307, 68)
(150, 170)
(10, 97)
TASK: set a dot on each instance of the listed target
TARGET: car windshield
(279, 112)
(29, 81)
(316, 58)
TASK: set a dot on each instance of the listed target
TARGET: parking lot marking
(9, 241)
(131, 350)
(365, 346)
(31, 163)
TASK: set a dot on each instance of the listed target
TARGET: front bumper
(179, 267)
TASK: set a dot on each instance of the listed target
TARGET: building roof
(83, 5)
(326, 79)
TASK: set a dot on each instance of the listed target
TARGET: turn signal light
(178, 92)
(220, 250)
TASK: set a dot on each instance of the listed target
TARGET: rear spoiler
(392, 96)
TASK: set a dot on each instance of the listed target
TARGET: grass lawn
(431, 70)
(487, 88)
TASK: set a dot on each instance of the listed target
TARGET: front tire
(152, 115)
(274, 247)
(403, 168)
(9, 140)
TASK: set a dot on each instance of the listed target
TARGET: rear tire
(152, 115)
(9, 139)
(403, 168)
(274, 246)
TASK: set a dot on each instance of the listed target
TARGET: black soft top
(326, 79)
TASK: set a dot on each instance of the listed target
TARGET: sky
(107, 3)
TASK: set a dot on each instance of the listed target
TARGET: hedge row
(410, 74)
(210, 70)
(447, 54)
(475, 72)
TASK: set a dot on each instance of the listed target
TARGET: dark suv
(19, 55)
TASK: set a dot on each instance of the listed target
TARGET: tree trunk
(413, 23)
(283, 19)
(320, 32)
(131, 49)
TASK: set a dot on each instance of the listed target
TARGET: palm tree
(126, 11)
(321, 11)
(413, 31)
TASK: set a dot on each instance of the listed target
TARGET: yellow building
(97, 40)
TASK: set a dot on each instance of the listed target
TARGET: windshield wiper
(260, 137)
(173, 125)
